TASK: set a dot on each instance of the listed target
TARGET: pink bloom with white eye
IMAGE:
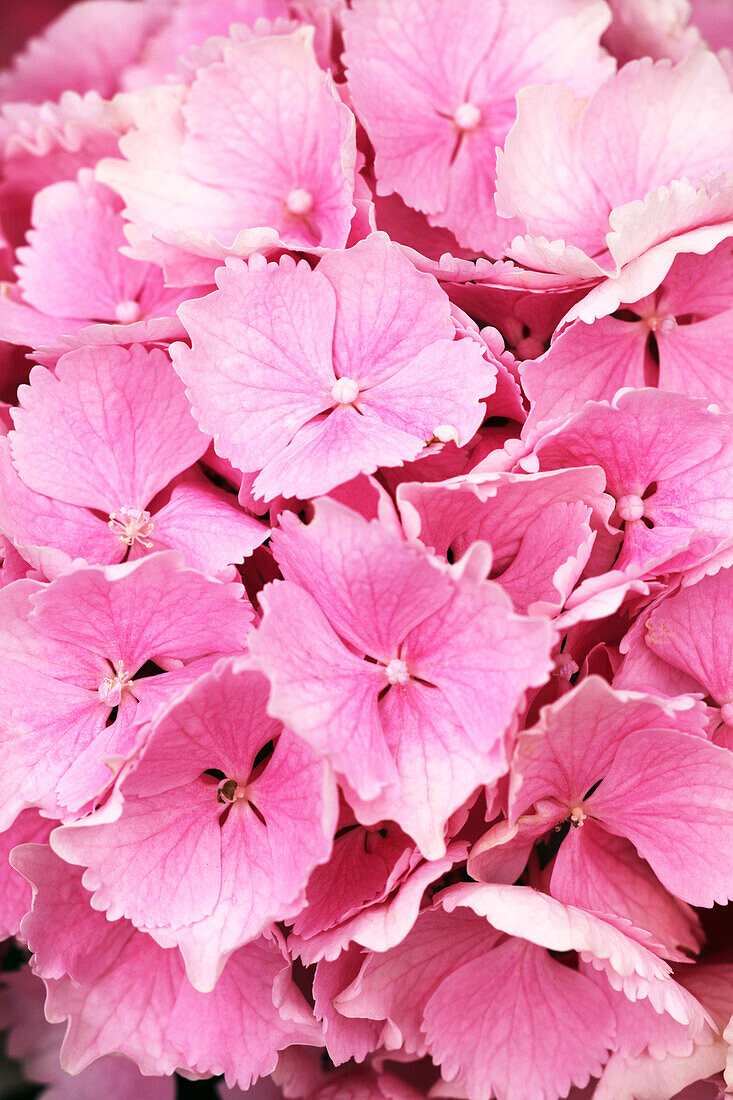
(436, 105)
(205, 844)
(679, 336)
(111, 299)
(239, 189)
(541, 527)
(682, 644)
(122, 993)
(643, 769)
(640, 195)
(73, 651)
(110, 431)
(312, 377)
(371, 607)
(668, 461)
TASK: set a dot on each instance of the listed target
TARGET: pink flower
(312, 377)
(74, 651)
(640, 194)
(230, 826)
(110, 432)
(122, 993)
(287, 177)
(399, 671)
(437, 106)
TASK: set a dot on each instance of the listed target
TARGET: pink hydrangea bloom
(678, 337)
(111, 299)
(619, 777)
(366, 549)
(682, 645)
(230, 835)
(400, 671)
(36, 1044)
(541, 528)
(312, 377)
(436, 107)
(109, 432)
(668, 462)
(640, 195)
(73, 650)
(238, 196)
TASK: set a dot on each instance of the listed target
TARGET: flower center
(664, 324)
(726, 713)
(128, 312)
(397, 671)
(630, 507)
(111, 689)
(230, 791)
(299, 202)
(345, 391)
(467, 117)
(133, 525)
(577, 816)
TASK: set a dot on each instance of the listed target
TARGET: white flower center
(630, 507)
(111, 689)
(299, 202)
(134, 525)
(397, 671)
(445, 433)
(345, 391)
(128, 312)
(664, 323)
(467, 117)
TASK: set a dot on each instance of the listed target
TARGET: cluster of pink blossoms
(366, 522)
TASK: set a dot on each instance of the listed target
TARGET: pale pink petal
(601, 872)
(294, 148)
(33, 520)
(344, 1038)
(373, 587)
(260, 366)
(108, 429)
(628, 157)
(395, 985)
(672, 795)
(495, 508)
(688, 634)
(206, 525)
(630, 966)
(85, 48)
(107, 610)
(320, 689)
(576, 741)
(436, 107)
(125, 994)
(515, 1007)
(28, 828)
(585, 363)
